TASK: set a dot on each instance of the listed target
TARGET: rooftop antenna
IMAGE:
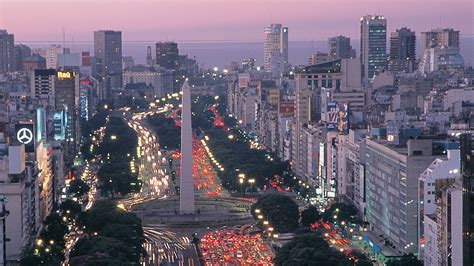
(64, 37)
(64, 47)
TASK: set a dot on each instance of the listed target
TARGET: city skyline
(150, 23)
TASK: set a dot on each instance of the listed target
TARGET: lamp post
(251, 181)
(241, 181)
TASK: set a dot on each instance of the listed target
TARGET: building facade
(402, 50)
(7, 51)
(373, 45)
(275, 48)
(108, 56)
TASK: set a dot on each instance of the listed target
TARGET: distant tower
(439, 38)
(402, 50)
(108, 56)
(373, 45)
(149, 58)
(7, 52)
(186, 183)
(340, 47)
(275, 49)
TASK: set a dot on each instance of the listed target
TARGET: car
(239, 254)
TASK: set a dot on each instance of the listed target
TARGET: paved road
(165, 247)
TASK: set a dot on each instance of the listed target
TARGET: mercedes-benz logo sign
(24, 135)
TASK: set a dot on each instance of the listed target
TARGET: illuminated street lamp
(241, 181)
(257, 210)
(251, 181)
(260, 216)
(265, 222)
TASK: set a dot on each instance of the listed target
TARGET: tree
(360, 259)
(70, 208)
(78, 188)
(309, 249)
(309, 216)
(342, 212)
(113, 234)
(406, 260)
(280, 210)
(106, 246)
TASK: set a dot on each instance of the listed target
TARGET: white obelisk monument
(186, 183)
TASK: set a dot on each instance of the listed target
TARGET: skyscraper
(373, 45)
(7, 52)
(467, 179)
(108, 54)
(167, 55)
(149, 58)
(21, 52)
(402, 50)
(437, 38)
(275, 48)
(340, 47)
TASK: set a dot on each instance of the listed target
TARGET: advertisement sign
(274, 96)
(343, 124)
(41, 122)
(24, 134)
(59, 125)
(286, 108)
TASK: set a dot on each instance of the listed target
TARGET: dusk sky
(242, 20)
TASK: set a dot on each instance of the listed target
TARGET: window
(329, 83)
(338, 84)
(323, 83)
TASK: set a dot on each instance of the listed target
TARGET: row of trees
(237, 157)
(49, 247)
(312, 249)
(118, 148)
(113, 237)
(168, 132)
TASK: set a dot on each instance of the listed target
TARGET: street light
(251, 181)
(241, 180)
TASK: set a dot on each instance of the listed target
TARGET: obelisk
(186, 183)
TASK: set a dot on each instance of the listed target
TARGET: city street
(165, 247)
(237, 245)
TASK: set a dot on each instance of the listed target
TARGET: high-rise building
(51, 54)
(340, 47)
(42, 86)
(149, 57)
(438, 38)
(392, 174)
(7, 51)
(167, 55)
(373, 45)
(66, 99)
(275, 48)
(21, 52)
(467, 180)
(108, 55)
(402, 50)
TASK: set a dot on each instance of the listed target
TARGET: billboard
(64, 75)
(274, 96)
(286, 108)
(332, 115)
(59, 125)
(41, 126)
(337, 117)
(24, 134)
(343, 124)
